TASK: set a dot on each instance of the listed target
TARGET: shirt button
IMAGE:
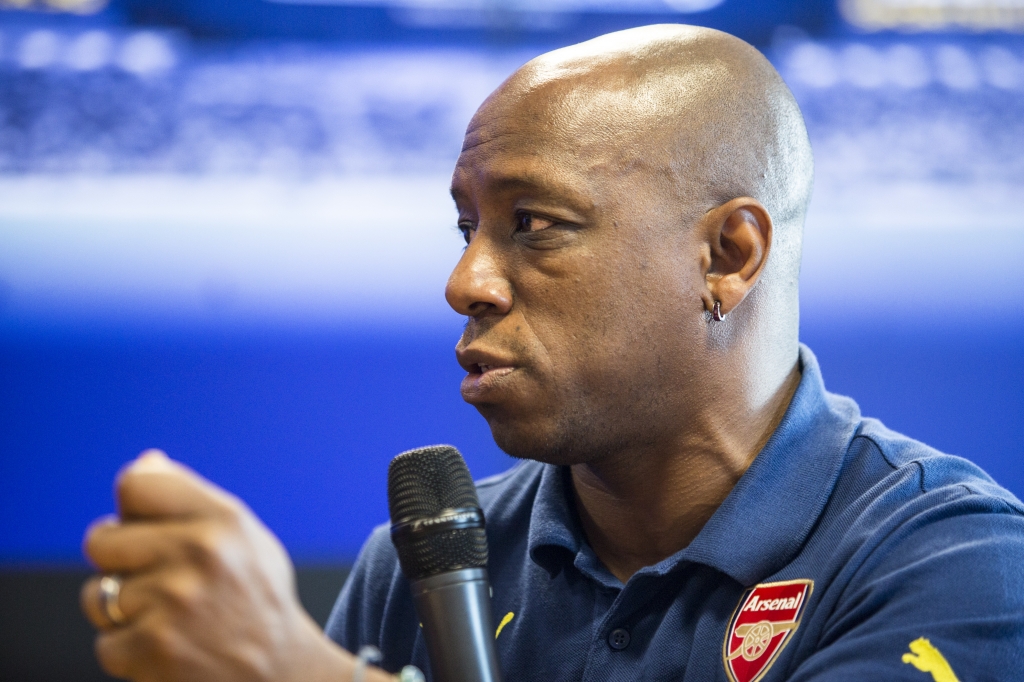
(618, 639)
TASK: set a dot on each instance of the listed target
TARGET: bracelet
(411, 673)
(367, 654)
(370, 654)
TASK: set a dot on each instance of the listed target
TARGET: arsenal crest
(767, 616)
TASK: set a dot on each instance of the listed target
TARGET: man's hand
(208, 592)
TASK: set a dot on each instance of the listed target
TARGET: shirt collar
(768, 515)
(555, 535)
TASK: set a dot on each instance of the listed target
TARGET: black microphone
(437, 528)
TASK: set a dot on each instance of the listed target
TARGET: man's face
(580, 281)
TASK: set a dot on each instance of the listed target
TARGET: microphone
(437, 528)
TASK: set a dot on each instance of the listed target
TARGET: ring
(110, 594)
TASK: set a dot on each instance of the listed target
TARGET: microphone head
(436, 522)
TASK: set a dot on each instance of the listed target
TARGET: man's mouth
(488, 374)
(485, 382)
(497, 369)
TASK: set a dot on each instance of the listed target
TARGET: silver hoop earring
(716, 313)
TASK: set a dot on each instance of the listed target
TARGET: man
(692, 504)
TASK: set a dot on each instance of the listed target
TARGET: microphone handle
(455, 611)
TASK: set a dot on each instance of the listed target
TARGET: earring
(716, 314)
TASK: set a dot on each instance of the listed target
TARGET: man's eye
(527, 222)
(467, 230)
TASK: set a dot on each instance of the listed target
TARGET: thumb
(153, 486)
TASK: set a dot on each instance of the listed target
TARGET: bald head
(613, 194)
(701, 112)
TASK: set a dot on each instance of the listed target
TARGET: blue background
(291, 374)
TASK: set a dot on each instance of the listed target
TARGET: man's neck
(640, 507)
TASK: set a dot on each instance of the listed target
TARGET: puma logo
(504, 621)
(926, 658)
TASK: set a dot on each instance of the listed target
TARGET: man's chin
(540, 443)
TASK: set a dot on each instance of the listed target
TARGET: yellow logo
(504, 621)
(926, 658)
(501, 626)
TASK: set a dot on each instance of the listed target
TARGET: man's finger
(92, 606)
(131, 601)
(113, 651)
(126, 653)
(146, 651)
(155, 486)
(116, 547)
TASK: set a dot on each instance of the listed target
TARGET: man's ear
(738, 238)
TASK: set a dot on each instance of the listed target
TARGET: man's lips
(480, 361)
(491, 371)
(485, 372)
(485, 383)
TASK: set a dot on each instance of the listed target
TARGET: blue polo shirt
(845, 552)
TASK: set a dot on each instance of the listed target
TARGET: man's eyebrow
(504, 183)
(538, 184)
(544, 187)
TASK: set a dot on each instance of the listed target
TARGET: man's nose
(477, 285)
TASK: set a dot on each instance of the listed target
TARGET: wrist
(326, 661)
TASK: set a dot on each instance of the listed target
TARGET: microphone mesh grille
(421, 484)
(441, 552)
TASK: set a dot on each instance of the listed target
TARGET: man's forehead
(589, 115)
(593, 111)
(511, 138)
(486, 133)
(546, 176)
(547, 153)
(515, 115)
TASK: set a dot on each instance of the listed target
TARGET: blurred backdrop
(225, 232)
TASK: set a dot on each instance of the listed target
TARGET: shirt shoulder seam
(963, 485)
(896, 467)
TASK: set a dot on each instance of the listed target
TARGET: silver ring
(110, 595)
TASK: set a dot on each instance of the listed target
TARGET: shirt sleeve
(942, 600)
